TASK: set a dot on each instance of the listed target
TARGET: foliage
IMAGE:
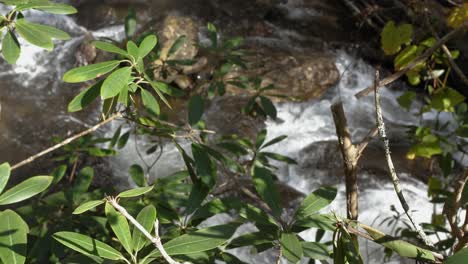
(74, 222)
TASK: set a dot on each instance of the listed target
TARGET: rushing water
(34, 103)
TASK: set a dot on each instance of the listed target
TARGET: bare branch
(391, 167)
(65, 142)
(349, 153)
(390, 79)
(156, 240)
(363, 144)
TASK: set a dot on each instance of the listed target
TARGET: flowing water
(33, 108)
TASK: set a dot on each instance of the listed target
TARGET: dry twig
(391, 167)
(66, 141)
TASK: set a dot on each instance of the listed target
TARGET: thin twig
(390, 79)
(363, 144)
(391, 167)
(66, 141)
(156, 239)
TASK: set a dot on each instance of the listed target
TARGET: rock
(297, 76)
(225, 116)
(172, 28)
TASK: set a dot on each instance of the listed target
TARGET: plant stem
(156, 240)
(391, 167)
(66, 141)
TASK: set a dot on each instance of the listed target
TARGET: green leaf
(176, 45)
(213, 35)
(10, 48)
(406, 99)
(49, 7)
(291, 247)
(109, 47)
(406, 56)
(85, 98)
(89, 72)
(251, 239)
(199, 241)
(58, 173)
(205, 167)
(52, 32)
(82, 183)
(274, 141)
(268, 107)
(315, 201)
(88, 206)
(315, 250)
(393, 37)
(123, 140)
(150, 102)
(130, 23)
(279, 157)
(13, 237)
(198, 194)
(459, 258)
(146, 218)
(25, 189)
(147, 45)
(119, 225)
(196, 108)
(400, 247)
(266, 188)
(32, 34)
(115, 82)
(446, 100)
(135, 192)
(138, 175)
(133, 50)
(87, 245)
(260, 138)
(5, 171)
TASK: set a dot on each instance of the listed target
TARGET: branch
(65, 142)
(349, 153)
(451, 208)
(391, 167)
(156, 239)
(390, 79)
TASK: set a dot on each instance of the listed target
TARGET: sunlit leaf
(199, 241)
(115, 82)
(87, 206)
(146, 218)
(13, 237)
(393, 37)
(109, 47)
(315, 201)
(291, 247)
(119, 225)
(10, 48)
(135, 192)
(147, 45)
(32, 34)
(49, 7)
(25, 189)
(87, 245)
(150, 102)
(5, 171)
(89, 72)
(458, 16)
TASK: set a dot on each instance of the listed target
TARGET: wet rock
(172, 28)
(225, 116)
(296, 76)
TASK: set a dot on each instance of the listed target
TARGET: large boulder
(296, 76)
